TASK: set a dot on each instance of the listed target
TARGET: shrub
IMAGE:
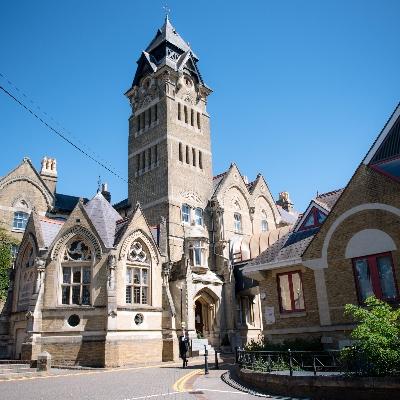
(377, 350)
(298, 344)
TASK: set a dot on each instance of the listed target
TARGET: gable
(312, 218)
(384, 155)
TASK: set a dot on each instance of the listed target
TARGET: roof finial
(167, 10)
(98, 184)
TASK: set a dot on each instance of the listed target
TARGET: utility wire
(105, 162)
(144, 188)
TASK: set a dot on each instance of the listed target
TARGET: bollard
(216, 360)
(290, 363)
(205, 360)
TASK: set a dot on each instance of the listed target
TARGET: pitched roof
(122, 204)
(287, 216)
(290, 246)
(217, 180)
(167, 33)
(66, 202)
(104, 218)
(329, 199)
(50, 229)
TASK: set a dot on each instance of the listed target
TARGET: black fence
(269, 361)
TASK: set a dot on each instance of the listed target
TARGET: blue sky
(301, 88)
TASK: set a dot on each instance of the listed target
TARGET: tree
(377, 349)
(6, 242)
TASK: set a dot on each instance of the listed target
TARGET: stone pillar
(44, 362)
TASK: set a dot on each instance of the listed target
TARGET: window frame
(198, 217)
(292, 301)
(24, 218)
(202, 247)
(130, 266)
(184, 213)
(313, 211)
(376, 283)
(75, 265)
(237, 222)
(264, 225)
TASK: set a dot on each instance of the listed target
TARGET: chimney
(105, 193)
(285, 202)
(49, 173)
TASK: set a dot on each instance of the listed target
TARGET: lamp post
(180, 286)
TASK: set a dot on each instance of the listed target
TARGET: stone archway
(206, 304)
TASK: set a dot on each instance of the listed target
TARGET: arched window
(29, 257)
(149, 160)
(187, 154)
(186, 114)
(149, 115)
(143, 159)
(180, 152)
(194, 157)
(138, 162)
(76, 271)
(155, 113)
(179, 111)
(192, 117)
(137, 275)
(138, 123)
(155, 154)
(20, 220)
(200, 160)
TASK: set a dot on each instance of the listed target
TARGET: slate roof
(288, 217)
(50, 229)
(290, 246)
(66, 202)
(329, 198)
(122, 204)
(167, 33)
(104, 218)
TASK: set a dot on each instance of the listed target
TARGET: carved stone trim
(77, 230)
(138, 234)
(46, 195)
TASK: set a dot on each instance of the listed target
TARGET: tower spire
(167, 10)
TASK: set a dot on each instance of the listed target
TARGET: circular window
(74, 320)
(188, 82)
(138, 319)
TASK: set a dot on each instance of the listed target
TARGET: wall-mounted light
(263, 295)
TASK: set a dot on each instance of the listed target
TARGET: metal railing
(269, 361)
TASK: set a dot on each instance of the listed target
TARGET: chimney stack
(49, 173)
(285, 202)
(105, 193)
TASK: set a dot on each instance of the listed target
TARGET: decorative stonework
(22, 201)
(138, 234)
(192, 195)
(146, 101)
(77, 230)
(14, 179)
(187, 97)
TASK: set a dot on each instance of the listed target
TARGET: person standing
(183, 347)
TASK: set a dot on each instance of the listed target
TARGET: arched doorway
(198, 315)
(206, 304)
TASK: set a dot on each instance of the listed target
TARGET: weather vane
(167, 10)
(98, 183)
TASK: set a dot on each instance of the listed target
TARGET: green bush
(298, 344)
(6, 241)
(376, 351)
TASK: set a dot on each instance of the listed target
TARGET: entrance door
(198, 313)
(20, 336)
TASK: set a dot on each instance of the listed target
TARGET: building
(100, 285)
(343, 250)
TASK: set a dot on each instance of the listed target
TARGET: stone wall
(323, 387)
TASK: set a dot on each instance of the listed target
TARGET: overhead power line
(142, 188)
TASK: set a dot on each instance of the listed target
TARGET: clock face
(188, 82)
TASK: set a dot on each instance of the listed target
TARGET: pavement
(154, 381)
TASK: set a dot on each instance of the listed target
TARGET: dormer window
(185, 213)
(314, 219)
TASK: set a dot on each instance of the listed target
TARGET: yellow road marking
(180, 383)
